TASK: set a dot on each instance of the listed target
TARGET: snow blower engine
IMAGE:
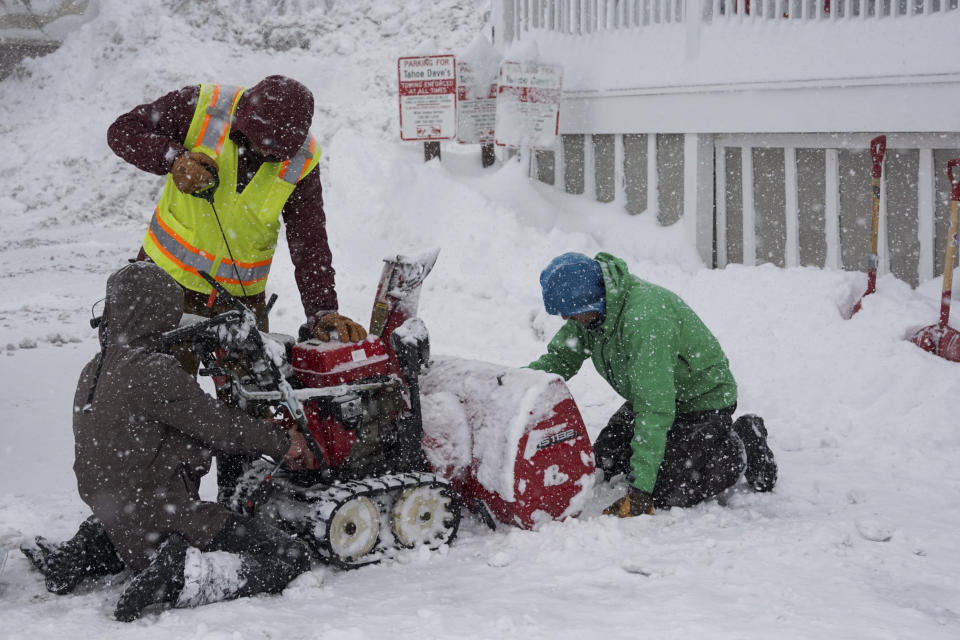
(357, 405)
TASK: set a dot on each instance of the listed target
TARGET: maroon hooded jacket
(274, 115)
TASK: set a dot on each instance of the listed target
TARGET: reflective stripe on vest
(295, 168)
(216, 122)
(194, 260)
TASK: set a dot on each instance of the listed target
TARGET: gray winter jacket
(143, 440)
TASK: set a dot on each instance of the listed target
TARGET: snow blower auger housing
(357, 405)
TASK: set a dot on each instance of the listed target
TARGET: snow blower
(385, 481)
(878, 147)
(941, 339)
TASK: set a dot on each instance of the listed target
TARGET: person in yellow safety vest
(254, 146)
(258, 144)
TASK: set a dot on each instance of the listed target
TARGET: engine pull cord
(207, 193)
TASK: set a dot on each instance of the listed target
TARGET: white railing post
(831, 210)
(619, 175)
(653, 178)
(559, 167)
(720, 200)
(926, 209)
(749, 212)
(791, 254)
(502, 17)
(693, 17)
(589, 167)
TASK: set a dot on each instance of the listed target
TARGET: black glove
(635, 503)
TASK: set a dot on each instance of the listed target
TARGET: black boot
(38, 552)
(88, 554)
(761, 472)
(159, 583)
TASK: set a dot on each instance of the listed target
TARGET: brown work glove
(347, 329)
(190, 172)
(298, 456)
(635, 503)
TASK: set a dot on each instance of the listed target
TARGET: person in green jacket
(674, 436)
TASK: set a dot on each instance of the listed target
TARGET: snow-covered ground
(857, 541)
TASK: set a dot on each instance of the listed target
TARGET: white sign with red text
(528, 104)
(428, 97)
(476, 104)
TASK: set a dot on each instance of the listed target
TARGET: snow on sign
(428, 97)
(476, 104)
(528, 104)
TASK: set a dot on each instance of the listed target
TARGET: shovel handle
(954, 178)
(878, 147)
(950, 253)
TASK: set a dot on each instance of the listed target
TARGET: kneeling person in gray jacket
(144, 431)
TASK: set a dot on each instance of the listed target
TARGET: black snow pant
(269, 558)
(703, 456)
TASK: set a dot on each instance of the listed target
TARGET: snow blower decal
(556, 438)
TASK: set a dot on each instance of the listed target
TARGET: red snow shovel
(878, 147)
(941, 339)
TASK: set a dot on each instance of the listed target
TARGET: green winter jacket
(655, 352)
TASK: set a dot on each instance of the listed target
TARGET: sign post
(428, 100)
(528, 105)
(477, 109)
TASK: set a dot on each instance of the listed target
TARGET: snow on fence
(579, 17)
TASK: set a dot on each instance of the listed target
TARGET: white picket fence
(580, 17)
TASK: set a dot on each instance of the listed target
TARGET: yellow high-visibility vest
(184, 236)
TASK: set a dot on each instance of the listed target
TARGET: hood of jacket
(142, 302)
(275, 114)
(616, 281)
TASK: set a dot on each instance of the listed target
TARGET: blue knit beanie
(573, 283)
